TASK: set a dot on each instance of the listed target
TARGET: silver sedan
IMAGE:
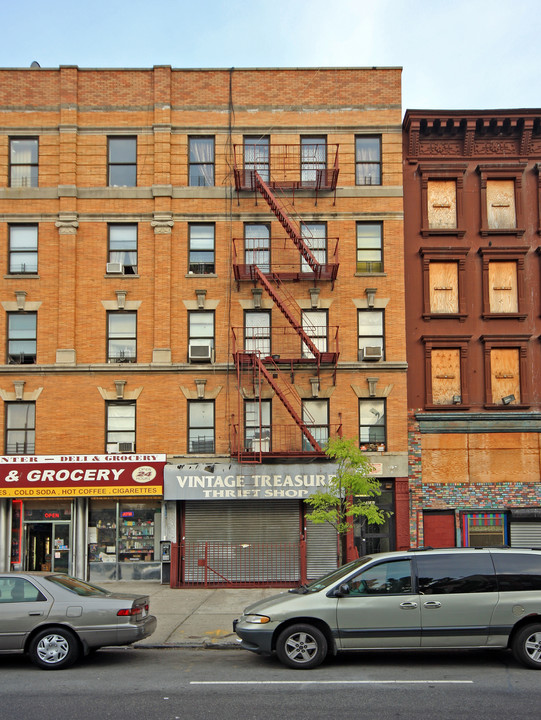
(56, 619)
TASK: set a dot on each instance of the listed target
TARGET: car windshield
(77, 586)
(331, 578)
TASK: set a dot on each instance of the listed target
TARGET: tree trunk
(342, 549)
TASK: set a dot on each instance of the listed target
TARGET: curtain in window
(202, 161)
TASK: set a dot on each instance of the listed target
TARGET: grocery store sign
(220, 481)
(37, 476)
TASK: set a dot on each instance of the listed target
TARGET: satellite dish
(35, 64)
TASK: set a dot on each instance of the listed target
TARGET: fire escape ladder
(283, 395)
(281, 213)
(288, 307)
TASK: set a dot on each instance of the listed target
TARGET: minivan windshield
(334, 576)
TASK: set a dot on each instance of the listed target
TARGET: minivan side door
(458, 596)
(380, 610)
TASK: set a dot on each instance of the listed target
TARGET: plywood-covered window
(443, 281)
(446, 387)
(505, 375)
(501, 211)
(502, 287)
(441, 196)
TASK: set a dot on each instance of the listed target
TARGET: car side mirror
(342, 590)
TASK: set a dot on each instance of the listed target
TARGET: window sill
(505, 316)
(457, 232)
(506, 408)
(502, 231)
(21, 276)
(445, 316)
(201, 275)
(370, 274)
(456, 407)
(120, 276)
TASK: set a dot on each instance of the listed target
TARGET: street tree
(349, 494)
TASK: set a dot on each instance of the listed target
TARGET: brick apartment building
(202, 282)
(472, 194)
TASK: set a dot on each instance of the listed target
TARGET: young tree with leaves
(348, 494)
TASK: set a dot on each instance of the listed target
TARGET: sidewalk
(193, 617)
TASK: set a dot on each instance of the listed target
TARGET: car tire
(526, 646)
(54, 649)
(301, 646)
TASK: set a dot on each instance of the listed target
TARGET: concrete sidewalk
(198, 617)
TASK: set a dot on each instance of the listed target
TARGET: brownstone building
(472, 225)
(202, 283)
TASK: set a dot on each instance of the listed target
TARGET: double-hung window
(257, 333)
(372, 434)
(367, 160)
(201, 161)
(257, 425)
(369, 247)
(23, 162)
(201, 251)
(20, 428)
(122, 254)
(313, 161)
(200, 426)
(314, 236)
(120, 427)
(23, 249)
(256, 157)
(371, 334)
(122, 337)
(22, 337)
(200, 336)
(315, 415)
(257, 246)
(122, 161)
(314, 324)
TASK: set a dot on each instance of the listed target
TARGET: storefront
(94, 516)
(247, 524)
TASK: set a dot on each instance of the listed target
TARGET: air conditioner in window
(125, 447)
(200, 353)
(261, 445)
(372, 352)
(112, 447)
(115, 268)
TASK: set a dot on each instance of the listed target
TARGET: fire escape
(296, 344)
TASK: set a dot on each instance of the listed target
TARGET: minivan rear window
(517, 571)
(451, 574)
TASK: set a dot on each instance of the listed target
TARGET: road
(188, 684)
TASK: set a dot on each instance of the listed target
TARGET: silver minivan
(425, 598)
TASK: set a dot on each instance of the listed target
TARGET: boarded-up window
(502, 282)
(446, 376)
(441, 196)
(505, 374)
(501, 204)
(443, 278)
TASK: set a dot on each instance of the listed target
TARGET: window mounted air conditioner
(112, 447)
(200, 353)
(261, 445)
(125, 447)
(115, 268)
(372, 352)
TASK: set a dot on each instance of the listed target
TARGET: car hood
(274, 601)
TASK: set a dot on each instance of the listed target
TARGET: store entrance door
(47, 546)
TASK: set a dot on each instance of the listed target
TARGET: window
(503, 282)
(123, 248)
(201, 160)
(121, 337)
(20, 428)
(517, 572)
(201, 252)
(257, 425)
(441, 196)
(257, 333)
(315, 415)
(442, 190)
(22, 334)
(368, 160)
(443, 279)
(14, 590)
(122, 162)
(200, 426)
(444, 283)
(501, 199)
(484, 529)
(257, 246)
(506, 371)
(446, 358)
(313, 161)
(314, 324)
(372, 425)
(23, 162)
(256, 157)
(371, 334)
(369, 248)
(314, 236)
(120, 427)
(390, 578)
(200, 336)
(23, 249)
(452, 574)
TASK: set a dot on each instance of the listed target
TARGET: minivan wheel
(54, 649)
(301, 647)
(527, 646)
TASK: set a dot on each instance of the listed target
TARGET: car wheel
(527, 646)
(54, 649)
(301, 647)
